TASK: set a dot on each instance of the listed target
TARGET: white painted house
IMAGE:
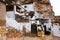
(10, 18)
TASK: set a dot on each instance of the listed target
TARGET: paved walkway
(31, 38)
(24, 38)
(3, 38)
(56, 38)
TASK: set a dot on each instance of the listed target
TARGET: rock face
(57, 19)
(42, 1)
(2, 14)
(2, 19)
(44, 7)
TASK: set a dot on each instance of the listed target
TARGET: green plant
(9, 1)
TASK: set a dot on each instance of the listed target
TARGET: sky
(56, 6)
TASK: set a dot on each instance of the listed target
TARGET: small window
(9, 7)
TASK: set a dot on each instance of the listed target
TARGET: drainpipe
(14, 11)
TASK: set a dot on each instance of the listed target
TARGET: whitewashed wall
(56, 30)
(29, 7)
(10, 14)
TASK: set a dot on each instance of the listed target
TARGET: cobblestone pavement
(56, 38)
(2, 37)
(24, 38)
(31, 38)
